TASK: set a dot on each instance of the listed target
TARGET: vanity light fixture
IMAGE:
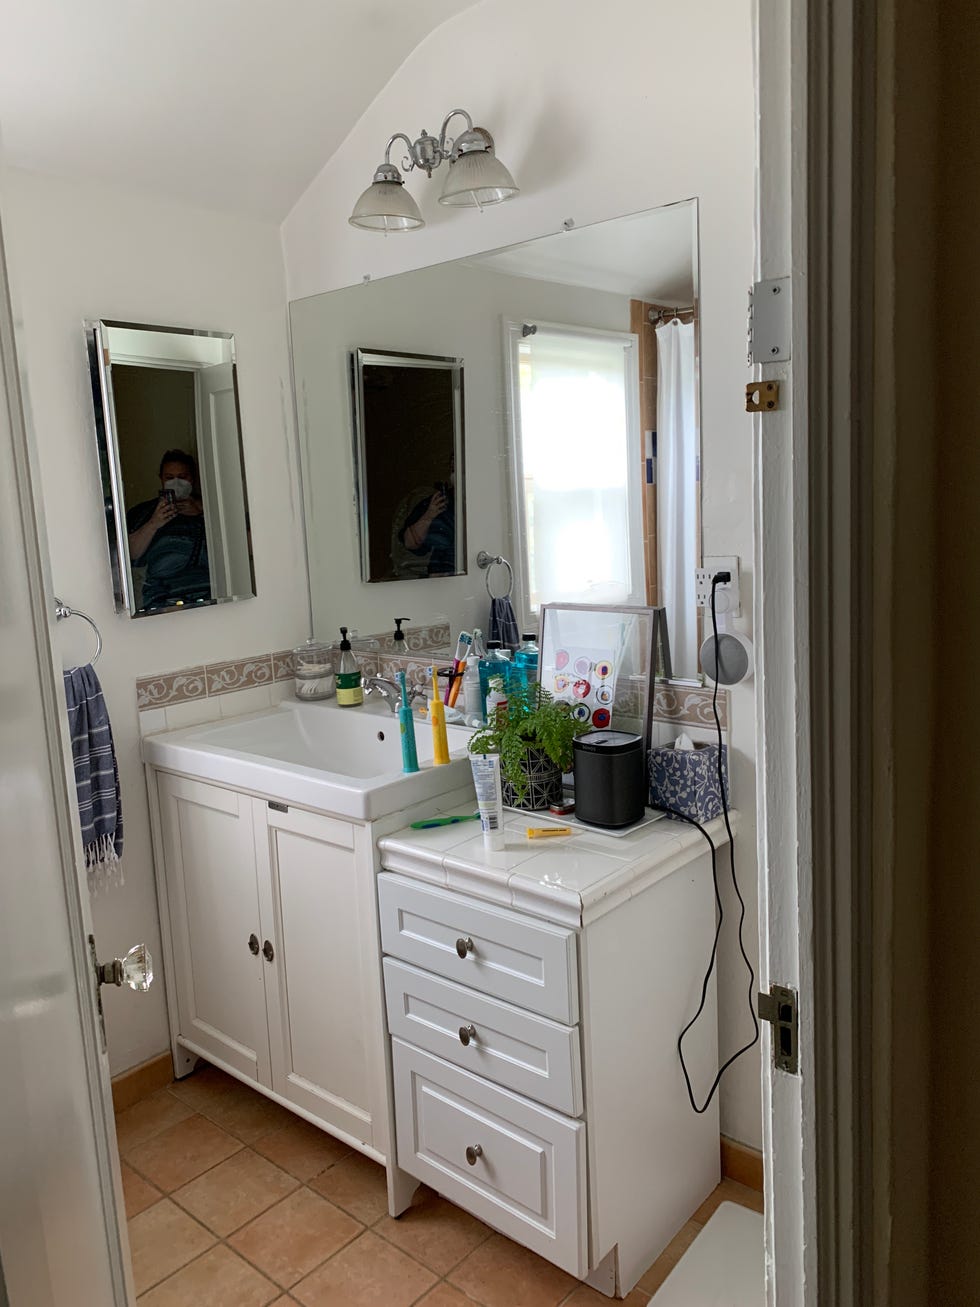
(475, 177)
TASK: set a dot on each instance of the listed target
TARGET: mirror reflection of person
(429, 528)
(167, 537)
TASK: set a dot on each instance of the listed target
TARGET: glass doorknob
(134, 970)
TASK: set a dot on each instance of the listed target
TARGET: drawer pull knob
(473, 1152)
(464, 946)
(268, 952)
(466, 1033)
(253, 945)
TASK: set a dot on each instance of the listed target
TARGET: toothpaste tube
(489, 798)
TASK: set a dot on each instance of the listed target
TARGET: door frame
(824, 508)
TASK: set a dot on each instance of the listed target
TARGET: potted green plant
(532, 734)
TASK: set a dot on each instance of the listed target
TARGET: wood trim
(140, 1081)
(741, 1163)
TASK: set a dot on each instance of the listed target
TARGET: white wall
(81, 251)
(598, 110)
(452, 309)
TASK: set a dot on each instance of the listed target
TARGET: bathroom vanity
(534, 1000)
(502, 1026)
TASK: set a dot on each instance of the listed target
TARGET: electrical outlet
(728, 596)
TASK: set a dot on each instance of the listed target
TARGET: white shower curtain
(677, 490)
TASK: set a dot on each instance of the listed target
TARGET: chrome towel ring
(61, 611)
(489, 561)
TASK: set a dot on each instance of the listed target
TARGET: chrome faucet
(388, 691)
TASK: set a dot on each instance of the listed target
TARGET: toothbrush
(406, 724)
(459, 662)
(437, 711)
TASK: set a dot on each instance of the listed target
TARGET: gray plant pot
(544, 784)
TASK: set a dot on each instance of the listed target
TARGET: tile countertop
(569, 880)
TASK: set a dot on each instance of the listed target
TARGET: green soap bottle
(350, 691)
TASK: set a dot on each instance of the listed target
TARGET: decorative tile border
(202, 682)
(689, 705)
(242, 674)
(685, 705)
(171, 687)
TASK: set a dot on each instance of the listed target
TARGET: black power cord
(717, 580)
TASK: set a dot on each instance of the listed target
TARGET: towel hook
(487, 562)
(62, 610)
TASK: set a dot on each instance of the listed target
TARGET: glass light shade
(477, 178)
(386, 206)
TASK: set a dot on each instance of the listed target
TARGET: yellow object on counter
(437, 713)
(546, 832)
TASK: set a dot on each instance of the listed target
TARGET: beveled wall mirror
(409, 475)
(173, 472)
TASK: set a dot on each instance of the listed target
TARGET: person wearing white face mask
(167, 537)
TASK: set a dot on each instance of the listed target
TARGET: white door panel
(60, 1242)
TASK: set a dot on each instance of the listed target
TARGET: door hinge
(780, 1007)
(770, 326)
(761, 396)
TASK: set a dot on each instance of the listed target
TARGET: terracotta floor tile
(243, 1112)
(147, 1118)
(502, 1274)
(162, 1240)
(138, 1195)
(181, 1152)
(652, 1279)
(728, 1191)
(356, 1184)
(369, 1273)
(444, 1295)
(583, 1296)
(296, 1235)
(218, 1279)
(300, 1148)
(234, 1192)
(435, 1232)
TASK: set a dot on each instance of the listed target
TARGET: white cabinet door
(321, 1023)
(209, 854)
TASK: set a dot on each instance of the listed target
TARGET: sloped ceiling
(229, 104)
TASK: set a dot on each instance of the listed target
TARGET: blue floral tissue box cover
(686, 780)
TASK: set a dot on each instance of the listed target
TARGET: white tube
(489, 799)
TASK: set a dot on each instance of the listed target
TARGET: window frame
(512, 332)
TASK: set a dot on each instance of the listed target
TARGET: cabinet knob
(473, 1152)
(267, 951)
(466, 1033)
(253, 944)
(464, 946)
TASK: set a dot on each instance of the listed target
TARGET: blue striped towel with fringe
(96, 777)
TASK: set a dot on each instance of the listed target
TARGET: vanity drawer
(488, 949)
(527, 1053)
(517, 1166)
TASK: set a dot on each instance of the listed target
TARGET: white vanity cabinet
(534, 1000)
(273, 940)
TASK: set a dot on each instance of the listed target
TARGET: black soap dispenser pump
(350, 691)
(399, 636)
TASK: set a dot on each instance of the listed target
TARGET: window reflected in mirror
(167, 420)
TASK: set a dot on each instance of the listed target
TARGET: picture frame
(601, 660)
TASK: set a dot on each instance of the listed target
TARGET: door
(222, 481)
(321, 1026)
(60, 1197)
(217, 933)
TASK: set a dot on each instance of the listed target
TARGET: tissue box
(686, 780)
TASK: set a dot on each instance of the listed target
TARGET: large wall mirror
(173, 472)
(581, 418)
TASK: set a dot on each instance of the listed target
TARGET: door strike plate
(780, 1007)
(761, 396)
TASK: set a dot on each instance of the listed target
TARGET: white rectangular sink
(346, 761)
